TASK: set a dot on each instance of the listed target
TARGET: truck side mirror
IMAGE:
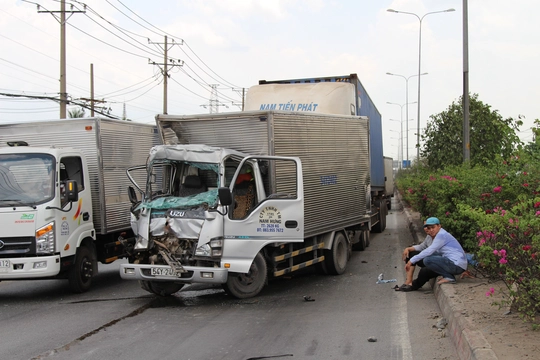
(72, 191)
(225, 197)
(132, 195)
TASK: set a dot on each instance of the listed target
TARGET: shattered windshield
(182, 185)
(26, 179)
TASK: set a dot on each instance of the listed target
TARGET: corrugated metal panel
(241, 132)
(334, 154)
(333, 150)
(123, 144)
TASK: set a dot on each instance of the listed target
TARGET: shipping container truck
(332, 95)
(64, 203)
(248, 196)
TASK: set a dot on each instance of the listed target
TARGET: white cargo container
(48, 230)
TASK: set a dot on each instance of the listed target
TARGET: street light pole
(407, 126)
(407, 103)
(419, 65)
(400, 142)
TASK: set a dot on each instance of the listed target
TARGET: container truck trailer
(343, 95)
(249, 196)
(64, 202)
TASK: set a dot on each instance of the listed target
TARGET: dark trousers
(424, 275)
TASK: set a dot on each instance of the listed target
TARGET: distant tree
(76, 112)
(491, 136)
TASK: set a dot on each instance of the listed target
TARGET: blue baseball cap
(432, 221)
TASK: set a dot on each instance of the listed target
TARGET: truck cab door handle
(291, 224)
(85, 216)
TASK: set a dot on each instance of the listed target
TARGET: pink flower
(490, 292)
(526, 185)
(497, 189)
(527, 247)
(481, 242)
(447, 213)
(503, 261)
(537, 204)
(537, 213)
(495, 252)
(502, 252)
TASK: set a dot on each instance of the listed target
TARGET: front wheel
(243, 286)
(160, 288)
(80, 274)
(337, 258)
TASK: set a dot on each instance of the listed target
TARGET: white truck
(64, 201)
(236, 198)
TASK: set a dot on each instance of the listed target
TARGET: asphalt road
(118, 320)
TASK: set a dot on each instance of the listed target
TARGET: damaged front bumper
(192, 274)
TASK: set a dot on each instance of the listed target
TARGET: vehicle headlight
(212, 249)
(45, 239)
(203, 250)
(141, 243)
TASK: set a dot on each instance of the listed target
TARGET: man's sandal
(404, 287)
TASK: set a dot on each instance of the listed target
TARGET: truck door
(76, 218)
(268, 207)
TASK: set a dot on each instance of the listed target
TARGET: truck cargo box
(334, 151)
(110, 147)
(364, 106)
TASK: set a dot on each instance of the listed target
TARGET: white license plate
(4, 265)
(162, 271)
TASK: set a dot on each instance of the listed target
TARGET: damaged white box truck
(237, 198)
(64, 202)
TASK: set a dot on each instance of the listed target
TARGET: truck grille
(17, 246)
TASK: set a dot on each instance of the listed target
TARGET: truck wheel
(243, 286)
(337, 258)
(364, 241)
(80, 274)
(160, 288)
(381, 224)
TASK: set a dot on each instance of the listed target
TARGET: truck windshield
(181, 184)
(26, 179)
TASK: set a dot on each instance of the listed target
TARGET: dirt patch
(504, 330)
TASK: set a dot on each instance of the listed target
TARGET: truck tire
(80, 274)
(161, 288)
(337, 258)
(364, 241)
(243, 286)
(381, 224)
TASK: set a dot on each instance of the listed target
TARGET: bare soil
(509, 336)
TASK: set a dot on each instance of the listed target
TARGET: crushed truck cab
(210, 215)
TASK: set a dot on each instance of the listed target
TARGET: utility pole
(466, 125)
(92, 100)
(62, 20)
(164, 69)
(243, 97)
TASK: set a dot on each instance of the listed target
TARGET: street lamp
(419, 64)
(407, 111)
(400, 144)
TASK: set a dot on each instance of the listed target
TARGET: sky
(219, 47)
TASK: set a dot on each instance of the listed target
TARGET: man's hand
(408, 266)
(405, 254)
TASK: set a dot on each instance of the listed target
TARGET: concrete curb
(470, 343)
